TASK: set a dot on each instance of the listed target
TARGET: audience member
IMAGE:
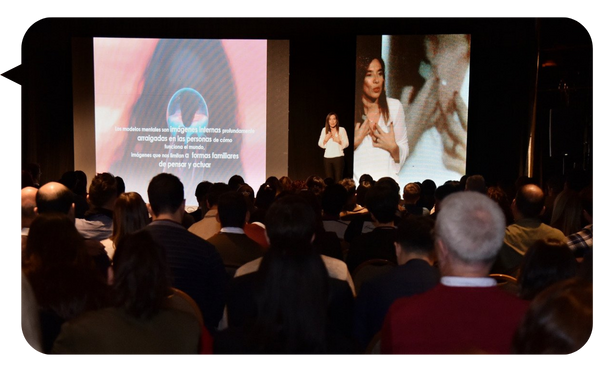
(363, 223)
(545, 263)
(581, 242)
(553, 187)
(27, 212)
(326, 243)
(332, 202)
(415, 274)
(71, 180)
(442, 192)
(234, 246)
(316, 185)
(476, 183)
(351, 208)
(427, 198)
(289, 305)
(54, 197)
(365, 182)
(35, 171)
(97, 222)
(498, 195)
(26, 179)
(466, 312)
(287, 185)
(30, 316)
(527, 228)
(411, 195)
(209, 225)
(235, 181)
(129, 215)
(137, 321)
(200, 193)
(264, 198)
(567, 213)
(61, 273)
(120, 185)
(558, 321)
(382, 204)
(196, 266)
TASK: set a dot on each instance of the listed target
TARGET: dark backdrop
(502, 106)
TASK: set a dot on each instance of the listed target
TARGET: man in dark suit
(415, 274)
(196, 267)
(234, 246)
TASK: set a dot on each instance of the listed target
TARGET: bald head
(54, 197)
(28, 205)
(529, 201)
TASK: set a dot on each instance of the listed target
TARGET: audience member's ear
(149, 207)
(35, 210)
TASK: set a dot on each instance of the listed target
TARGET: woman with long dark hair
(334, 140)
(290, 305)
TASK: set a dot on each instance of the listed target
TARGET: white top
(378, 162)
(332, 148)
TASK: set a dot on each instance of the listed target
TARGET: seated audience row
(103, 282)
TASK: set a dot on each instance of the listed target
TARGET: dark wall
(322, 53)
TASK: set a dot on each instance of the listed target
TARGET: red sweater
(446, 320)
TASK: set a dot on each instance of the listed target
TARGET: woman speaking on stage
(333, 139)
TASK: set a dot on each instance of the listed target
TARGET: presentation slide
(190, 107)
(411, 108)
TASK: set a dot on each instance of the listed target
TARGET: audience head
(54, 242)
(62, 274)
(382, 203)
(130, 214)
(28, 195)
(442, 192)
(469, 231)
(558, 321)
(287, 185)
(53, 197)
(141, 275)
(248, 193)
(165, 194)
(567, 212)
(235, 181)
(414, 236)
(214, 192)
(232, 210)
(265, 196)
(201, 191)
(103, 191)
(315, 184)
(333, 200)
(476, 183)
(498, 195)
(545, 263)
(80, 187)
(411, 193)
(290, 223)
(529, 201)
(120, 185)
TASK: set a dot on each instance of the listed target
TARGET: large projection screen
(424, 80)
(196, 108)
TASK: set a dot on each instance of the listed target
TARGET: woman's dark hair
(545, 263)
(129, 215)
(141, 281)
(62, 274)
(558, 321)
(362, 65)
(337, 124)
(293, 291)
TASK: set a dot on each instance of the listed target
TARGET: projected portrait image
(429, 75)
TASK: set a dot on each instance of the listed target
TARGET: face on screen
(426, 81)
(373, 83)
